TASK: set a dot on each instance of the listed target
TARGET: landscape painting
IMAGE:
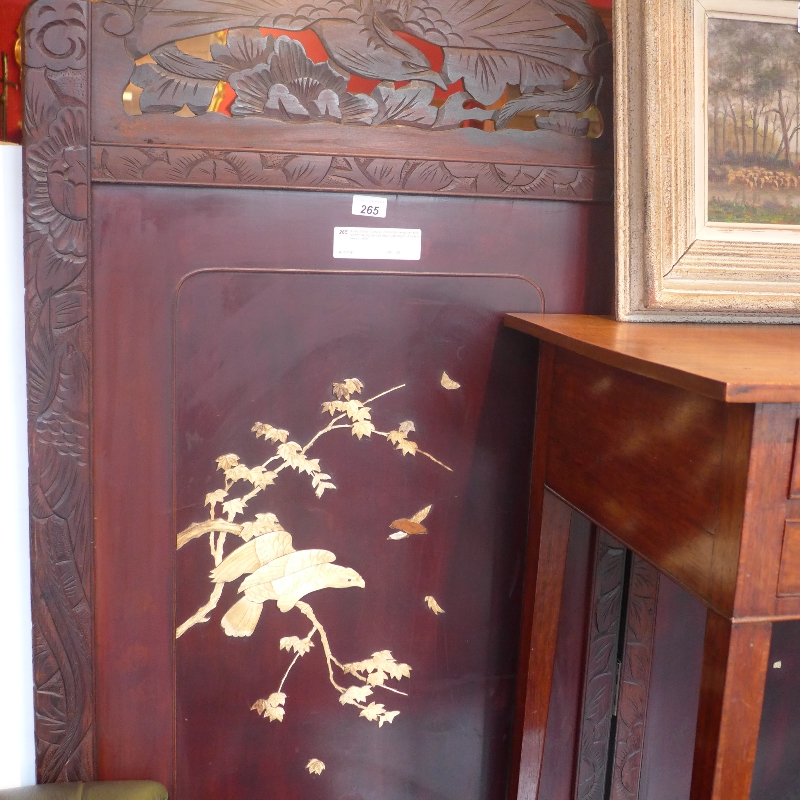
(753, 122)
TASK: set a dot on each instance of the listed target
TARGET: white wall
(17, 766)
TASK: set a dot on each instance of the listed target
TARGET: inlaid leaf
(227, 461)
(356, 410)
(422, 514)
(376, 678)
(320, 482)
(405, 447)
(291, 453)
(408, 526)
(238, 473)
(430, 601)
(347, 387)
(334, 407)
(315, 766)
(233, 507)
(212, 498)
(373, 711)
(355, 694)
(260, 477)
(387, 716)
(300, 646)
(362, 427)
(269, 432)
(448, 383)
(272, 707)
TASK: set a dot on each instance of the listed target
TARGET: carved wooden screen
(325, 460)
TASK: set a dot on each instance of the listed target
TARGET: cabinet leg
(735, 657)
(544, 581)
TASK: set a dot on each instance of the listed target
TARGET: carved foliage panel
(368, 63)
(56, 220)
(171, 165)
(483, 97)
(601, 668)
(634, 688)
(617, 677)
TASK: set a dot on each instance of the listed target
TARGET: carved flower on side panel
(55, 35)
(58, 197)
(290, 86)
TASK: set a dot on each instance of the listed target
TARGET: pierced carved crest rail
(488, 98)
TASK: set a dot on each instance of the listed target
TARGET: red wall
(10, 16)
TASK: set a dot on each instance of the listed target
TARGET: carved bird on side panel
(488, 43)
(277, 572)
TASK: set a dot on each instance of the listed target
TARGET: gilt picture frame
(682, 255)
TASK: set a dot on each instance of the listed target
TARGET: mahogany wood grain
(735, 659)
(530, 729)
(737, 364)
(777, 768)
(794, 486)
(738, 436)
(617, 449)
(759, 554)
(549, 554)
(634, 681)
(563, 721)
(674, 690)
(789, 580)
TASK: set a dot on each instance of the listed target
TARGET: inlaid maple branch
(272, 569)
(292, 456)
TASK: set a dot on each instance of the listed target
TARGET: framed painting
(708, 160)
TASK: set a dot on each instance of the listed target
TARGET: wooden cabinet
(681, 442)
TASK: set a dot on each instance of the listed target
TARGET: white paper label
(364, 206)
(403, 244)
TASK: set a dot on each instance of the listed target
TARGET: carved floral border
(56, 139)
(212, 167)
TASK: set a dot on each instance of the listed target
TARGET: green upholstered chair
(105, 790)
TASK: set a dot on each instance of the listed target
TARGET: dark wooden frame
(57, 258)
(63, 158)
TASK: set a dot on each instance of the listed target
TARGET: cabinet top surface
(734, 363)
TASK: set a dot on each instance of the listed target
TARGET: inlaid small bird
(412, 526)
(277, 572)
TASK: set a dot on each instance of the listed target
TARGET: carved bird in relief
(276, 572)
(488, 43)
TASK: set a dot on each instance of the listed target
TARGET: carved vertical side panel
(640, 623)
(601, 669)
(58, 351)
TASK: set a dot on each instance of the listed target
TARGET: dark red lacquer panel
(251, 343)
(266, 347)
